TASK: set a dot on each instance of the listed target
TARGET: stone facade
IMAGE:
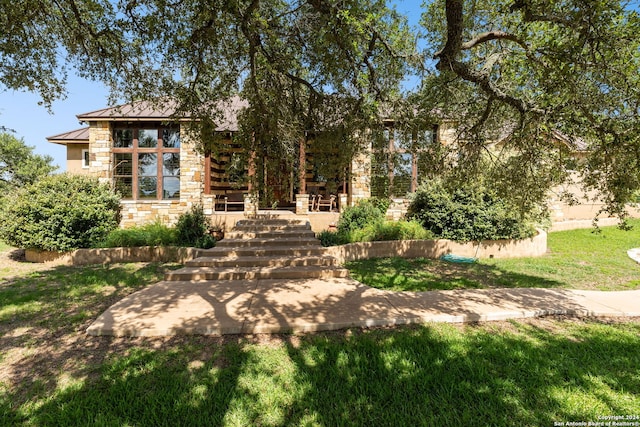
(100, 142)
(361, 176)
(136, 212)
(192, 179)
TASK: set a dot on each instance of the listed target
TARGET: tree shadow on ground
(531, 373)
(524, 374)
(426, 274)
(421, 376)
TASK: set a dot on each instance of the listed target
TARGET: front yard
(577, 259)
(528, 373)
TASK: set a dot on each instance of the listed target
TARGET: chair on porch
(312, 202)
(218, 202)
(233, 199)
(329, 202)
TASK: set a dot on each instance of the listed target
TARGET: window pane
(147, 164)
(123, 138)
(171, 138)
(122, 164)
(401, 175)
(124, 187)
(147, 187)
(170, 187)
(85, 158)
(147, 138)
(171, 164)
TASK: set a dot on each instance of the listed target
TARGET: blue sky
(32, 122)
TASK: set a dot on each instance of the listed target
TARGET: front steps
(261, 249)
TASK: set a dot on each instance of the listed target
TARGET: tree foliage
(19, 165)
(520, 70)
(509, 70)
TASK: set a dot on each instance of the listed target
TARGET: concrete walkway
(272, 306)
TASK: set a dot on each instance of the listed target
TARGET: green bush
(377, 231)
(333, 238)
(397, 230)
(59, 213)
(359, 216)
(153, 234)
(466, 214)
(192, 229)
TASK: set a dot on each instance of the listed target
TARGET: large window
(146, 162)
(396, 167)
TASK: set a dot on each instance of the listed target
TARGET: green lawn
(526, 373)
(579, 259)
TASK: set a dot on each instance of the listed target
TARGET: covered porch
(251, 181)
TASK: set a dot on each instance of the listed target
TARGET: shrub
(466, 214)
(192, 229)
(377, 231)
(398, 230)
(59, 213)
(333, 238)
(153, 234)
(362, 214)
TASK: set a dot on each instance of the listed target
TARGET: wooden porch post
(207, 172)
(391, 159)
(252, 164)
(302, 168)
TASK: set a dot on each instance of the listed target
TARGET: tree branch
(492, 35)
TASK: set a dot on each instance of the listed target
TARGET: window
(146, 162)
(85, 159)
(398, 158)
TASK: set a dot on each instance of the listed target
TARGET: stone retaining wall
(114, 255)
(535, 246)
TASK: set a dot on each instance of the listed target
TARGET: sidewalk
(273, 306)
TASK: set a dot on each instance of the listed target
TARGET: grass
(578, 259)
(526, 373)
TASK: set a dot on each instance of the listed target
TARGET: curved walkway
(272, 306)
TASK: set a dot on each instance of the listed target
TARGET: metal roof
(166, 110)
(78, 136)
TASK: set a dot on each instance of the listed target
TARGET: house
(160, 170)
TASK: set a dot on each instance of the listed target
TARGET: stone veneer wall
(136, 212)
(361, 176)
(532, 247)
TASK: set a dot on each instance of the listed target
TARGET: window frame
(86, 161)
(135, 150)
(390, 150)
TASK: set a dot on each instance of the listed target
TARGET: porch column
(360, 175)
(302, 169)
(302, 204)
(207, 173)
(302, 198)
(252, 164)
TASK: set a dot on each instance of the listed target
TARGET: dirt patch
(14, 264)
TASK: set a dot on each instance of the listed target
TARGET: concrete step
(259, 243)
(264, 261)
(282, 251)
(253, 273)
(269, 234)
(254, 228)
(271, 222)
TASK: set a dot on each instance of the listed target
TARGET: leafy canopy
(509, 70)
(19, 165)
(531, 71)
